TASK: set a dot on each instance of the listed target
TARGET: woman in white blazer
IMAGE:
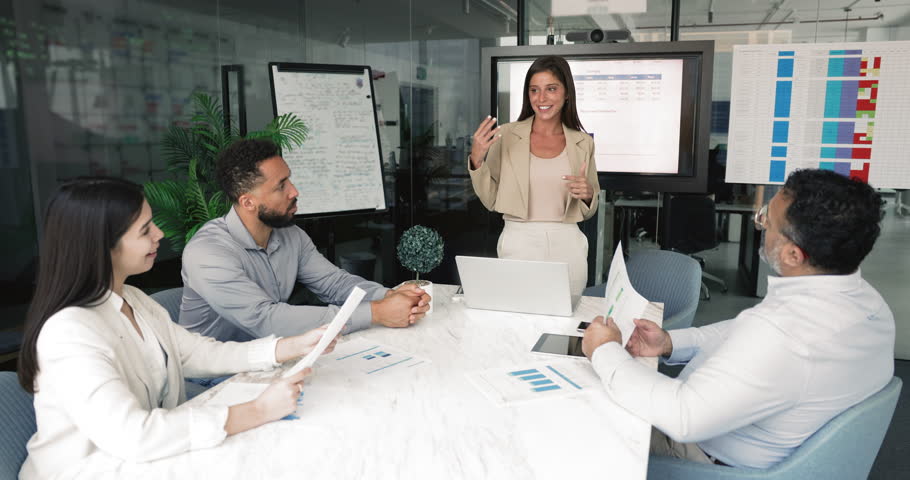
(106, 363)
(541, 176)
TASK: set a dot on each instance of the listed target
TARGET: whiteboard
(338, 169)
(836, 106)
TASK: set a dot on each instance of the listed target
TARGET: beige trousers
(548, 242)
(667, 447)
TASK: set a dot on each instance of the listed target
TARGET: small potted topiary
(420, 251)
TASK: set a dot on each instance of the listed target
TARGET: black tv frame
(702, 52)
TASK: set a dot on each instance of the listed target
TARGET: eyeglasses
(761, 219)
(761, 223)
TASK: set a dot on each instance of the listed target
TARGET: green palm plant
(183, 204)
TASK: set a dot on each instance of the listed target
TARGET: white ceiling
(406, 20)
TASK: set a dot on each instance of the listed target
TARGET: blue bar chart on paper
(840, 107)
(359, 357)
(505, 386)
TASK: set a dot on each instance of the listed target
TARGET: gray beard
(763, 255)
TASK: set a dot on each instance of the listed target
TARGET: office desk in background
(749, 265)
(430, 421)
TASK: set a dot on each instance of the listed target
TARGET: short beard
(771, 260)
(275, 219)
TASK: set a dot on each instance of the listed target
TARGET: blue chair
(845, 448)
(170, 299)
(664, 276)
(17, 415)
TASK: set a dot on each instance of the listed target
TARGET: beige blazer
(503, 180)
(95, 404)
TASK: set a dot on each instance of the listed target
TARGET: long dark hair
(560, 69)
(83, 223)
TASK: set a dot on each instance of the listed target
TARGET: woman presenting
(106, 363)
(541, 176)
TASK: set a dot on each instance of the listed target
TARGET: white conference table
(430, 421)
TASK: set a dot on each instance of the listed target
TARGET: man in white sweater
(756, 387)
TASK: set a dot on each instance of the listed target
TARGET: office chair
(692, 228)
(17, 415)
(170, 299)
(663, 276)
(845, 447)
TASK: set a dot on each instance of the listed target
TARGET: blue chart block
(542, 382)
(845, 132)
(369, 357)
(844, 152)
(785, 68)
(828, 152)
(523, 372)
(778, 171)
(786, 53)
(533, 377)
(781, 132)
(544, 389)
(842, 168)
(826, 165)
(782, 96)
(570, 382)
(829, 132)
(832, 99)
(385, 354)
(835, 67)
(848, 96)
(852, 66)
(779, 152)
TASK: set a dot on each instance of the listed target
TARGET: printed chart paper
(621, 301)
(522, 383)
(363, 357)
(344, 313)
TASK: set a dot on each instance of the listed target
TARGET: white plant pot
(426, 286)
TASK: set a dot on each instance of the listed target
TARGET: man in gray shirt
(239, 270)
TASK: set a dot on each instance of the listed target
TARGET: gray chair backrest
(170, 299)
(668, 277)
(845, 447)
(17, 417)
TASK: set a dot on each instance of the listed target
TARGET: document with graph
(522, 383)
(361, 357)
(835, 106)
(621, 301)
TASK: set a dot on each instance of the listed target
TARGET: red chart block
(865, 105)
(862, 175)
(858, 139)
(862, 153)
(878, 62)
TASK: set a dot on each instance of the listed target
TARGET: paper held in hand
(344, 313)
(621, 301)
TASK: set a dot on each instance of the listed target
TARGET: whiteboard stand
(338, 170)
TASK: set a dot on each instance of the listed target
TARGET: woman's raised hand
(484, 137)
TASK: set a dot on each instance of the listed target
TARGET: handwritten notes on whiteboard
(339, 167)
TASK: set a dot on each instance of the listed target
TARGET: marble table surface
(430, 421)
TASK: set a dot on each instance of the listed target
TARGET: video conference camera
(597, 35)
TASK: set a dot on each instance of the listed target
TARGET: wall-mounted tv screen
(647, 107)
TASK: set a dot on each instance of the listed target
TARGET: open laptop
(516, 285)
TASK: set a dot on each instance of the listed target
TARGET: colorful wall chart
(838, 107)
